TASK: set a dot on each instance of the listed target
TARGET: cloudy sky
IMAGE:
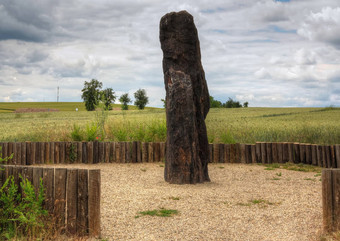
(266, 52)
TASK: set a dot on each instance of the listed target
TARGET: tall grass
(244, 125)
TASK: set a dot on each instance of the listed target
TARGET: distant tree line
(93, 96)
(230, 103)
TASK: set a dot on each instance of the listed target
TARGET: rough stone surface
(187, 100)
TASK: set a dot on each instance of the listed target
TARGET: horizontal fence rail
(72, 196)
(29, 153)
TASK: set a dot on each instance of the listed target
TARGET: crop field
(243, 125)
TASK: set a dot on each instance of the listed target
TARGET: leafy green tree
(245, 104)
(125, 100)
(164, 102)
(91, 94)
(108, 97)
(214, 103)
(141, 99)
(232, 104)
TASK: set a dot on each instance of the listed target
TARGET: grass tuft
(162, 212)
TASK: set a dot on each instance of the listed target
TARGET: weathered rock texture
(187, 100)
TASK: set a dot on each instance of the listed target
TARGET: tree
(214, 103)
(232, 104)
(108, 97)
(164, 103)
(91, 94)
(245, 104)
(141, 99)
(125, 100)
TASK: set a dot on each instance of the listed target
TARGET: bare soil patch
(242, 202)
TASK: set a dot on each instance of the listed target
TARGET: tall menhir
(187, 100)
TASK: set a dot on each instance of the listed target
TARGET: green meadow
(242, 125)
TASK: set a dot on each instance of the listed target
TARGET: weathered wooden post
(331, 199)
(187, 100)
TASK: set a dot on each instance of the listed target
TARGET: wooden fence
(29, 153)
(72, 196)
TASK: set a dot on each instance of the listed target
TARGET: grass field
(9, 107)
(244, 125)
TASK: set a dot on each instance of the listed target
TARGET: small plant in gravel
(293, 167)
(174, 198)
(270, 167)
(279, 174)
(310, 179)
(162, 212)
(220, 167)
(262, 202)
(143, 169)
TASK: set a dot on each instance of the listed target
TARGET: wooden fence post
(279, 152)
(275, 154)
(101, 152)
(216, 152)
(253, 154)
(291, 152)
(48, 182)
(128, 152)
(82, 209)
(333, 159)
(269, 157)
(258, 152)
(296, 153)
(112, 152)
(134, 152)
(232, 153)
(243, 153)
(263, 153)
(162, 151)
(117, 152)
(94, 203)
(221, 153)
(308, 154)
(285, 152)
(95, 146)
(47, 152)
(319, 155)
(238, 152)
(337, 155)
(331, 199)
(150, 152)
(107, 152)
(227, 153)
(89, 148)
(23, 153)
(211, 152)
(72, 200)
(60, 197)
(122, 152)
(139, 152)
(144, 151)
(52, 152)
(57, 152)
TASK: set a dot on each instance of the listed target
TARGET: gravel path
(242, 202)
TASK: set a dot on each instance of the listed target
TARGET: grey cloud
(322, 26)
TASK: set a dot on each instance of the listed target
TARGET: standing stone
(187, 101)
